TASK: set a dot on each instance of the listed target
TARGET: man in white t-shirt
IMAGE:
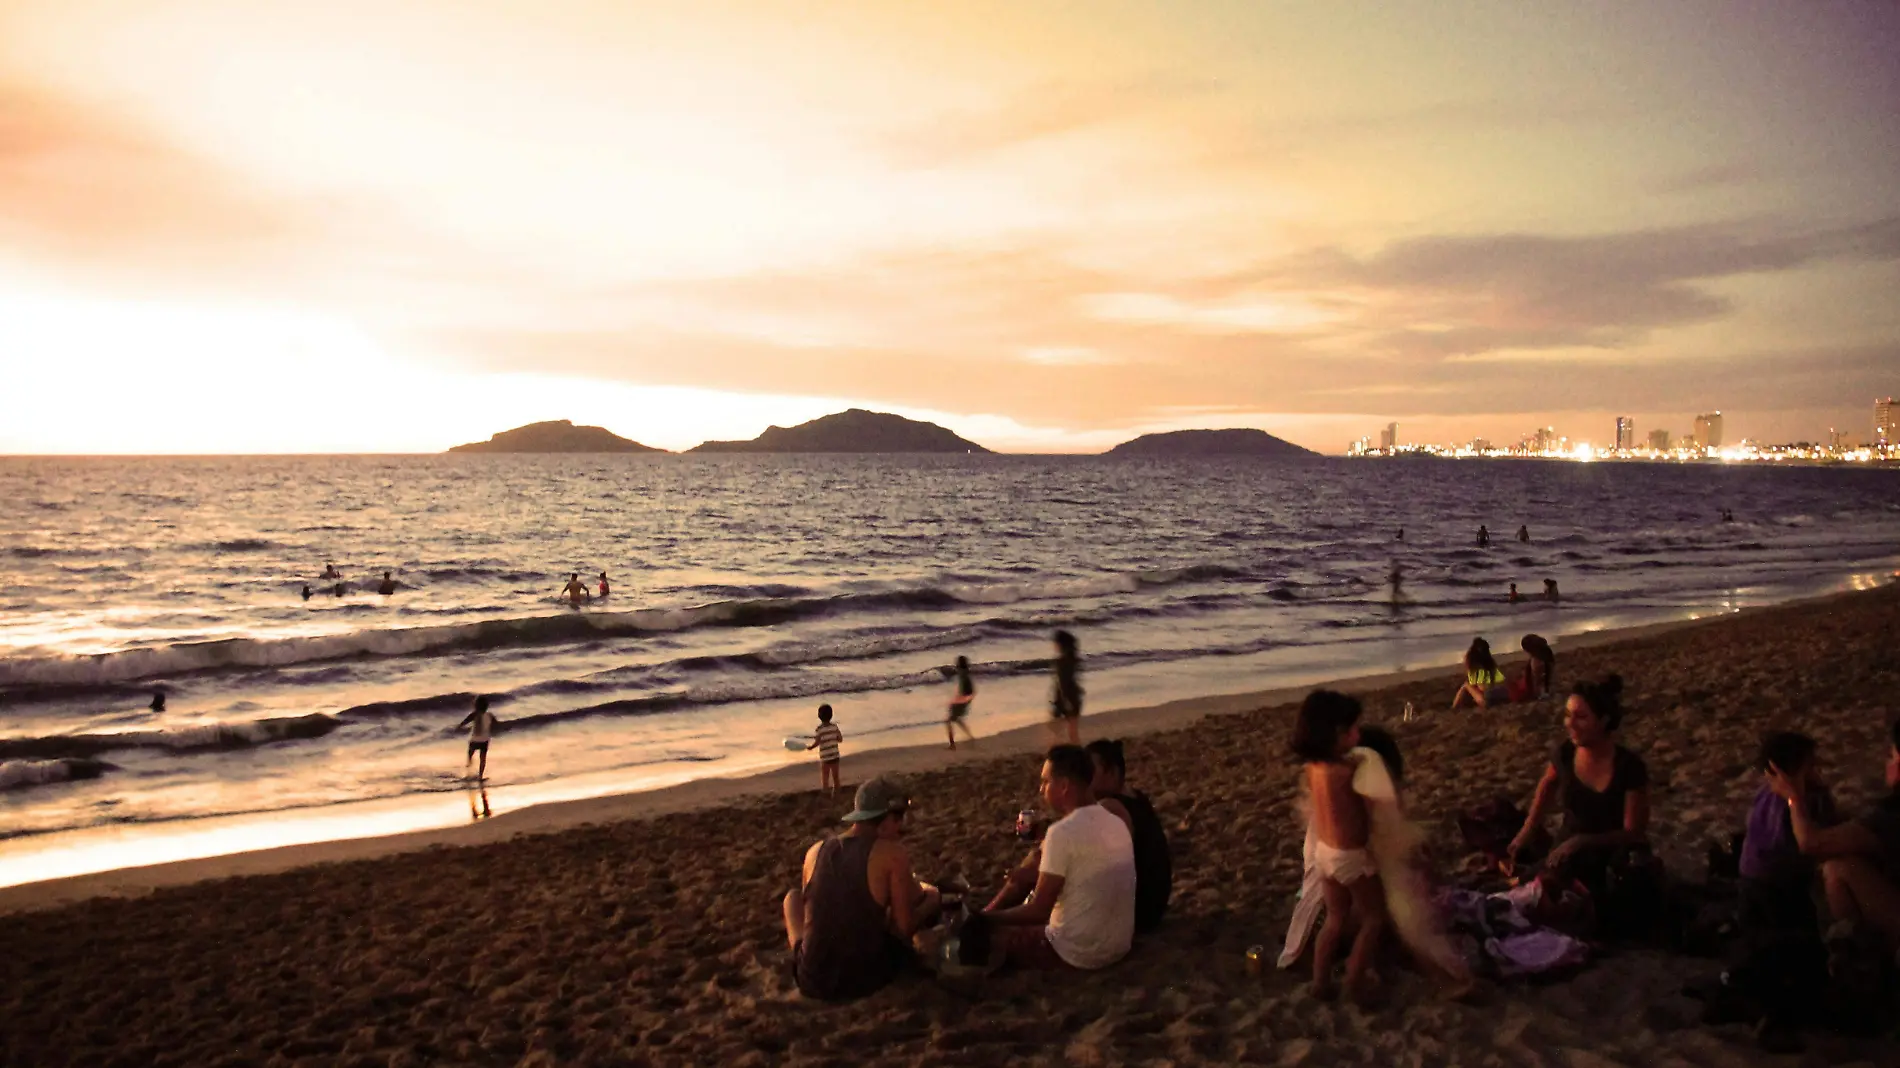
(1082, 911)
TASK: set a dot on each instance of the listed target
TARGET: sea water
(748, 589)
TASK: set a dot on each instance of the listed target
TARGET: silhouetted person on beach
(1514, 595)
(481, 724)
(388, 586)
(330, 572)
(158, 700)
(575, 591)
(337, 589)
(1550, 590)
(1524, 534)
(960, 704)
(306, 593)
(1540, 671)
(858, 904)
(1065, 705)
(1397, 578)
(1484, 536)
(603, 585)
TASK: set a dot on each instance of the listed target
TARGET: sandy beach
(645, 930)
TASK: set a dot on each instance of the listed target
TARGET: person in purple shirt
(1860, 858)
(1777, 880)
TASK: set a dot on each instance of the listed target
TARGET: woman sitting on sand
(1602, 787)
(1484, 683)
(1540, 670)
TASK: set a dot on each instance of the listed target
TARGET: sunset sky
(339, 226)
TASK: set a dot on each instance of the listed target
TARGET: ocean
(748, 589)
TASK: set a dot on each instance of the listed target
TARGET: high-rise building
(1625, 433)
(1659, 440)
(1835, 439)
(1544, 439)
(1708, 430)
(1886, 434)
(1389, 437)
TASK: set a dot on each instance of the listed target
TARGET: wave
(205, 736)
(105, 669)
(239, 545)
(18, 774)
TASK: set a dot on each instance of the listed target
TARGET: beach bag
(1633, 902)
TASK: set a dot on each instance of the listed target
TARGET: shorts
(958, 711)
(827, 760)
(1029, 948)
(1498, 695)
(478, 747)
(1343, 866)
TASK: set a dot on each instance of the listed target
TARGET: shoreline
(712, 792)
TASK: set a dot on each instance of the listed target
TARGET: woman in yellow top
(1484, 683)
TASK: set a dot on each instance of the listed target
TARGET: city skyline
(320, 227)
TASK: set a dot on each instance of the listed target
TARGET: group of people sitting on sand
(1364, 866)
(1486, 684)
(1101, 874)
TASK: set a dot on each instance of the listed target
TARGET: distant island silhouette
(556, 435)
(853, 431)
(1237, 442)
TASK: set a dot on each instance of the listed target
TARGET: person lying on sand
(1327, 729)
(1484, 684)
(1860, 859)
(1081, 912)
(858, 905)
(1603, 790)
(1154, 864)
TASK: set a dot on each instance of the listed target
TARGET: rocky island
(556, 435)
(853, 431)
(1237, 442)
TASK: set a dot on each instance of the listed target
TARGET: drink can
(1026, 823)
(1256, 960)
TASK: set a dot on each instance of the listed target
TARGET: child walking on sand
(825, 739)
(1327, 729)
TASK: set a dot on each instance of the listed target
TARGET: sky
(340, 226)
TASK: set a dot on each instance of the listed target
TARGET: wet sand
(647, 931)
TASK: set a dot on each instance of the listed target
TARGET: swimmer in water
(158, 700)
(603, 585)
(1397, 578)
(337, 589)
(1401, 536)
(1524, 534)
(388, 587)
(306, 593)
(330, 572)
(1550, 590)
(1484, 536)
(575, 591)
(1514, 596)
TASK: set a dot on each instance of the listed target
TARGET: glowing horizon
(335, 227)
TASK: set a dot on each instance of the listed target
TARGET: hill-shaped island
(856, 431)
(1239, 442)
(556, 435)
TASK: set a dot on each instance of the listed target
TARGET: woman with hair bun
(1602, 787)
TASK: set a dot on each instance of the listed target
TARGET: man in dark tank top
(858, 904)
(1154, 864)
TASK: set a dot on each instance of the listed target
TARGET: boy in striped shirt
(825, 739)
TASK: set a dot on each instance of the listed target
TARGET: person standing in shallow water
(388, 587)
(1484, 536)
(603, 585)
(1524, 534)
(575, 591)
(481, 724)
(960, 704)
(1065, 706)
